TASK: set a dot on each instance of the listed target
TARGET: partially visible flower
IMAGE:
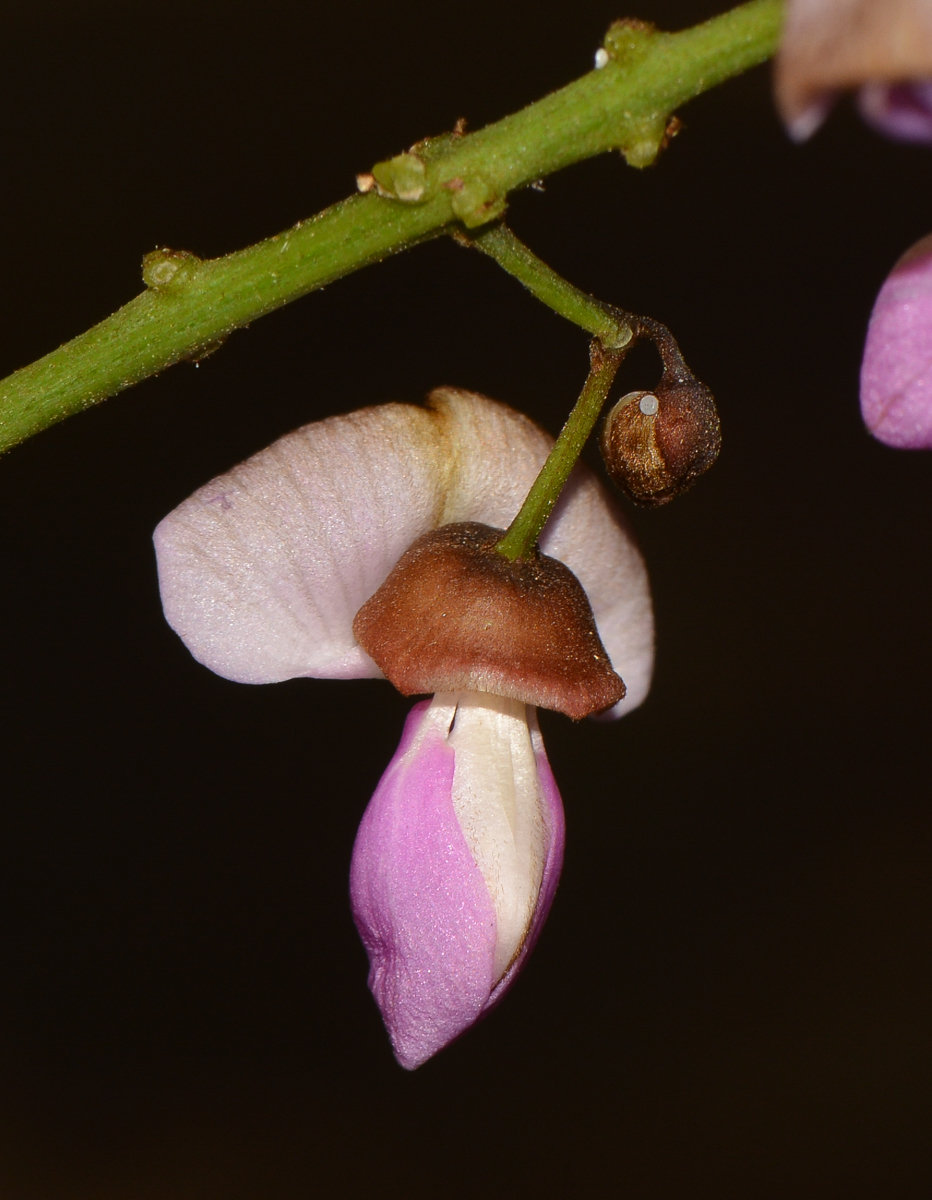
(882, 47)
(896, 373)
(263, 572)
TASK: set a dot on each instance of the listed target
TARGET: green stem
(190, 305)
(550, 288)
(523, 532)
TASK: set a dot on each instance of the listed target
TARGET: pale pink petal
(834, 45)
(263, 570)
(896, 374)
(589, 533)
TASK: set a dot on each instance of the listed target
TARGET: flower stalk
(511, 254)
(523, 532)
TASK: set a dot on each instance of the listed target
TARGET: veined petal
(263, 570)
(832, 45)
(455, 866)
(896, 373)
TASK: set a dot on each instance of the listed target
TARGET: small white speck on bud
(649, 405)
(601, 58)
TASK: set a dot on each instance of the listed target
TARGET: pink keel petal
(420, 902)
(896, 373)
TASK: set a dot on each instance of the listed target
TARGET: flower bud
(454, 615)
(657, 444)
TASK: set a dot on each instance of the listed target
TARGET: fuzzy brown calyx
(656, 444)
(455, 615)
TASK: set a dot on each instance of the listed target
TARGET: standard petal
(896, 373)
(263, 570)
(419, 900)
(832, 45)
(588, 532)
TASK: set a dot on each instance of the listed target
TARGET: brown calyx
(455, 615)
(655, 455)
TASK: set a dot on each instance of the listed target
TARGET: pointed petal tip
(808, 120)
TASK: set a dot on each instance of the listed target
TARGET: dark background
(732, 997)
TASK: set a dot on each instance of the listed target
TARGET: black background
(732, 994)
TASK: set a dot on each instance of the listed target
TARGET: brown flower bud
(657, 444)
(455, 615)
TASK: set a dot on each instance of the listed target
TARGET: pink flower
(883, 47)
(262, 573)
(896, 373)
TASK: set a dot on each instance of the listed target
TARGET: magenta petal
(902, 111)
(896, 373)
(419, 900)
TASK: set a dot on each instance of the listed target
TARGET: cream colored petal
(831, 45)
(499, 804)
